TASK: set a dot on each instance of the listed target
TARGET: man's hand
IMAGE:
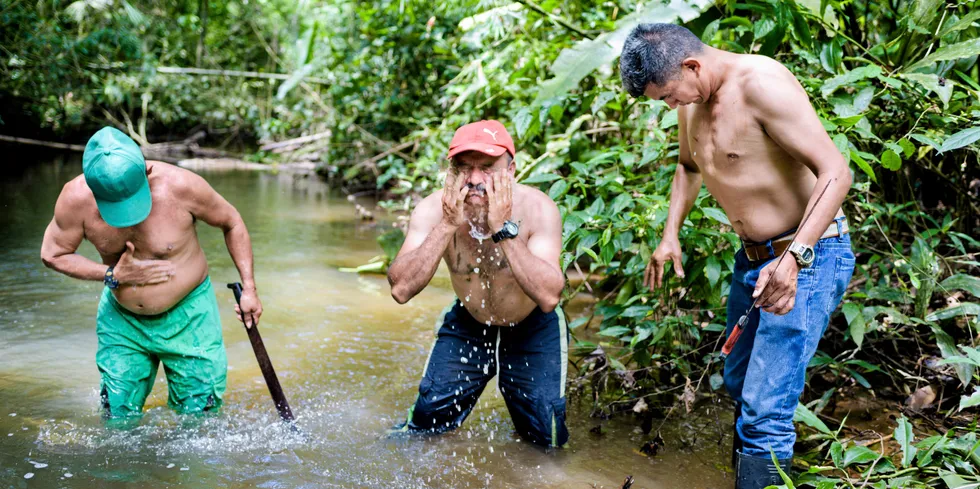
(776, 288)
(500, 197)
(454, 199)
(252, 306)
(132, 271)
(669, 250)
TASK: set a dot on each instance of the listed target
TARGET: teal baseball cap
(115, 170)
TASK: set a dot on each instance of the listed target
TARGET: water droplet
(29, 475)
(185, 468)
(478, 259)
(13, 415)
(38, 465)
(69, 475)
(463, 359)
(476, 270)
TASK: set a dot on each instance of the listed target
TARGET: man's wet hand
(132, 271)
(252, 306)
(776, 288)
(500, 197)
(669, 250)
(454, 199)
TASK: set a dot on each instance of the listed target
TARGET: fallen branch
(295, 141)
(46, 144)
(392, 150)
(172, 70)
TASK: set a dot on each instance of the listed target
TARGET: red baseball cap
(488, 137)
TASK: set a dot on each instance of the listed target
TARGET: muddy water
(348, 356)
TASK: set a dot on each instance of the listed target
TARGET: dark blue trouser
(531, 357)
(766, 370)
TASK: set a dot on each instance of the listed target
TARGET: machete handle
(236, 288)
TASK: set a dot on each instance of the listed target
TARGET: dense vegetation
(895, 83)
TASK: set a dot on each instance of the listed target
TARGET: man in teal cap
(158, 304)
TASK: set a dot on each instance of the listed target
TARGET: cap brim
(490, 149)
(129, 212)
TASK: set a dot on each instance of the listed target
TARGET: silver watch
(804, 254)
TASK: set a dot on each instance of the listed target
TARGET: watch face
(510, 228)
(808, 255)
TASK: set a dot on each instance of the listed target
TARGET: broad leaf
(970, 401)
(904, 436)
(948, 348)
(961, 281)
(805, 416)
(959, 50)
(963, 138)
(855, 322)
(859, 455)
(964, 309)
(961, 24)
(848, 78)
(890, 160)
(575, 63)
(943, 88)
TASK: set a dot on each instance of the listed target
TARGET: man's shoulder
(76, 192)
(536, 199)
(759, 74)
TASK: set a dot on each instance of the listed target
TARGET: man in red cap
(501, 242)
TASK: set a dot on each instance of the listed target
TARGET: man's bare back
(762, 188)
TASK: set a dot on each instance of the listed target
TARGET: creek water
(349, 359)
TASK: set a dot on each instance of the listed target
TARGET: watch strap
(110, 278)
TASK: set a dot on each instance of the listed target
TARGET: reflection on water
(348, 356)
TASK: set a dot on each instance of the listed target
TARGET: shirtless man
(158, 304)
(501, 242)
(747, 130)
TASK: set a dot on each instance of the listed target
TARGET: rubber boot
(736, 440)
(758, 472)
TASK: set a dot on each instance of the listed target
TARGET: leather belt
(761, 251)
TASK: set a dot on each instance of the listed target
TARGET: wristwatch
(804, 254)
(110, 279)
(509, 231)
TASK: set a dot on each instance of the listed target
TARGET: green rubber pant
(186, 339)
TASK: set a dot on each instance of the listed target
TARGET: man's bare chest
(164, 233)
(724, 137)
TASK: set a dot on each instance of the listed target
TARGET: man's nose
(476, 176)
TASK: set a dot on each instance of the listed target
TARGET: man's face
(682, 90)
(477, 169)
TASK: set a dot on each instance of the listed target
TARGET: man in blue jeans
(501, 242)
(748, 132)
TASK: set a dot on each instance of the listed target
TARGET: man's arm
(208, 205)
(783, 108)
(63, 236)
(535, 265)
(684, 191)
(426, 242)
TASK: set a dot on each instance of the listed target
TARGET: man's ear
(692, 64)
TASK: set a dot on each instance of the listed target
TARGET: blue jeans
(766, 370)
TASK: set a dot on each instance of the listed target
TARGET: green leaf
(922, 138)
(541, 178)
(961, 139)
(948, 348)
(557, 189)
(717, 381)
(970, 401)
(837, 453)
(577, 62)
(961, 24)
(864, 166)
(615, 331)
(716, 214)
(961, 281)
(391, 242)
(855, 322)
(637, 311)
(782, 474)
(848, 78)
(712, 269)
(907, 147)
(942, 87)
(904, 436)
(294, 79)
(621, 202)
(805, 416)
(859, 455)
(890, 160)
(522, 121)
(964, 309)
(959, 50)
